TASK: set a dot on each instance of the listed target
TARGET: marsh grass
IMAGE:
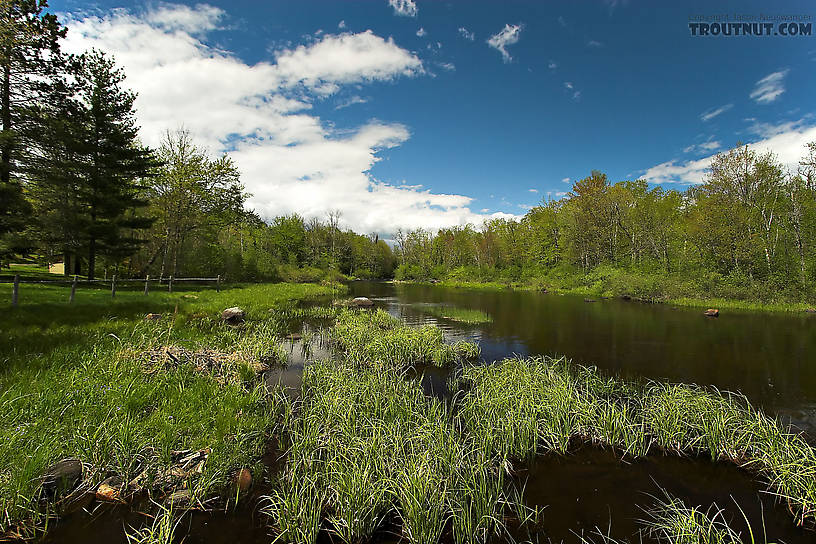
(375, 338)
(521, 407)
(371, 445)
(68, 389)
(453, 313)
(161, 531)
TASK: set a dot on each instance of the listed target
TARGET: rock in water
(712, 312)
(153, 317)
(233, 316)
(62, 477)
(362, 302)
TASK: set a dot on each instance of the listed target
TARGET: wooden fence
(16, 280)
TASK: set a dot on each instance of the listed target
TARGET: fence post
(218, 284)
(147, 284)
(15, 291)
(113, 286)
(73, 290)
(170, 285)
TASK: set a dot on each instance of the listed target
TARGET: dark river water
(768, 357)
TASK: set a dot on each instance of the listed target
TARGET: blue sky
(417, 113)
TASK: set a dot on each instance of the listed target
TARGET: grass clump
(521, 407)
(375, 338)
(452, 313)
(376, 452)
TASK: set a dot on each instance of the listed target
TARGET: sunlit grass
(452, 313)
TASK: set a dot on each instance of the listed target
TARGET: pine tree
(29, 55)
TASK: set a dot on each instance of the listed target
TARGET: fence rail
(16, 281)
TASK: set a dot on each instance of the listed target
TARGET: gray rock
(233, 316)
(362, 302)
(62, 477)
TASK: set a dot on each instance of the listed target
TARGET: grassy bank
(651, 289)
(94, 381)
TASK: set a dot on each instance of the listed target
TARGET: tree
(29, 55)
(191, 193)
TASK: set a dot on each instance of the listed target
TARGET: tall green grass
(375, 338)
(521, 407)
(371, 445)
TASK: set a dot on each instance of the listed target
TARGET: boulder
(152, 317)
(811, 310)
(361, 302)
(62, 477)
(712, 312)
(233, 316)
(180, 497)
(243, 480)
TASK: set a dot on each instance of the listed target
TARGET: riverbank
(100, 399)
(599, 291)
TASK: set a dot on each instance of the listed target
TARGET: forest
(747, 232)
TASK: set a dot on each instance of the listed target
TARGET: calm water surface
(770, 357)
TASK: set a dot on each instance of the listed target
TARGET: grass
(75, 382)
(452, 313)
(526, 406)
(375, 338)
(367, 444)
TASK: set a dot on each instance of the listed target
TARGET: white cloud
(769, 87)
(449, 66)
(787, 141)
(343, 59)
(711, 114)
(421, 32)
(552, 65)
(404, 8)
(568, 85)
(594, 43)
(201, 18)
(291, 160)
(566, 180)
(533, 190)
(576, 95)
(350, 102)
(342, 24)
(466, 34)
(562, 21)
(506, 37)
(710, 145)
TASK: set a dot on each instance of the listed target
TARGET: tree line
(751, 223)
(78, 186)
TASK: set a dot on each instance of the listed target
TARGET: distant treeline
(748, 231)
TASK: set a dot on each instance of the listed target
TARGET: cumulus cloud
(552, 65)
(291, 160)
(787, 141)
(342, 24)
(466, 34)
(708, 115)
(769, 87)
(404, 8)
(509, 35)
(533, 190)
(421, 32)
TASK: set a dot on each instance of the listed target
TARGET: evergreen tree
(29, 56)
